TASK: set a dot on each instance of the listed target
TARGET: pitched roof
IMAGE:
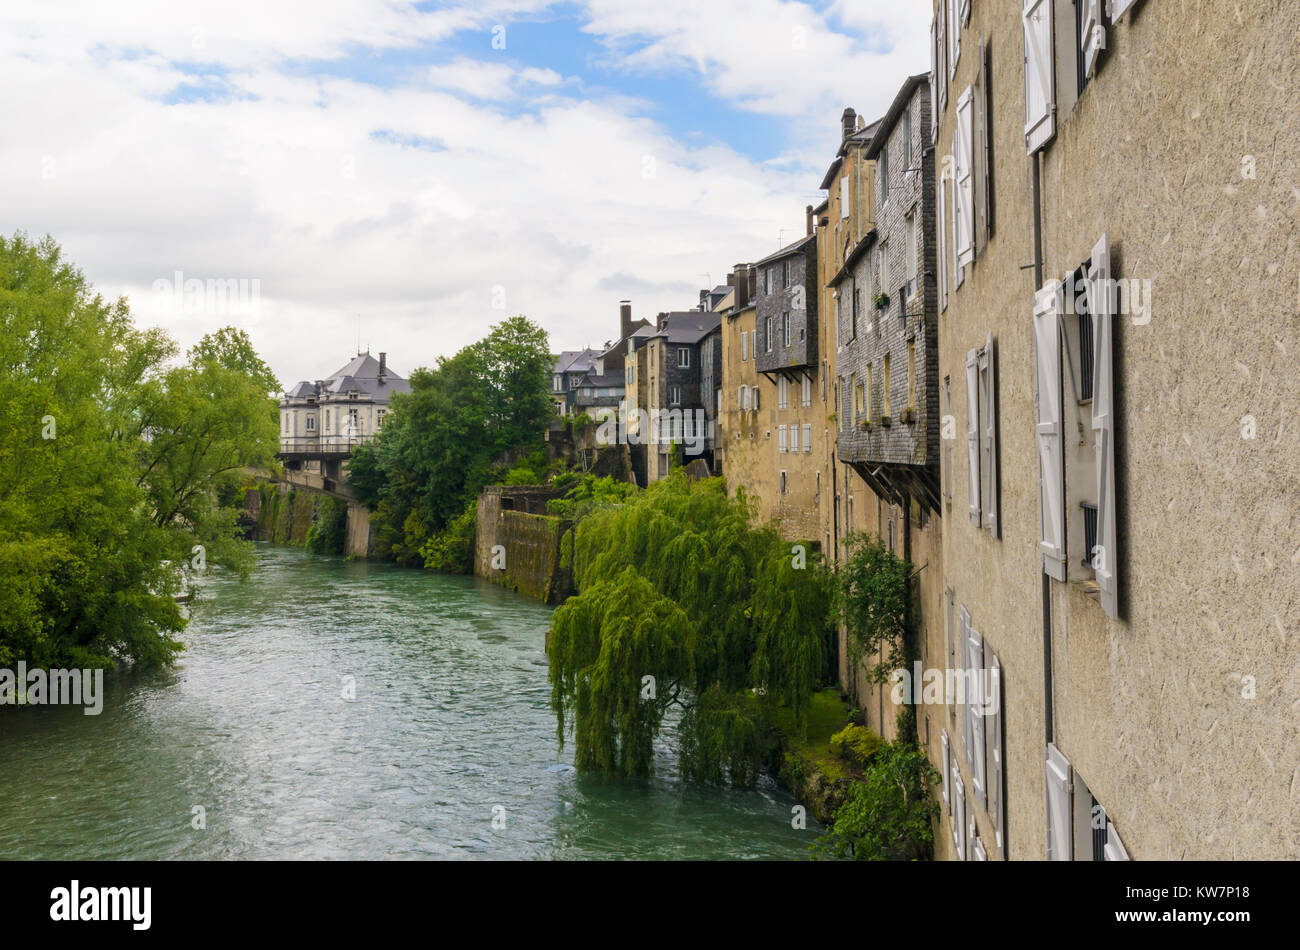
(688, 326)
(896, 108)
(360, 375)
(786, 251)
(575, 361)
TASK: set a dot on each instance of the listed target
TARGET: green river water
(450, 729)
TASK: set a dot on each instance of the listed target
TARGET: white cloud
(407, 205)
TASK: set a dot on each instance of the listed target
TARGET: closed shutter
(807, 437)
(993, 739)
(1117, 8)
(1106, 559)
(782, 437)
(1040, 84)
(753, 396)
(1092, 35)
(1114, 850)
(967, 730)
(989, 436)
(946, 762)
(958, 813)
(975, 710)
(744, 347)
(963, 198)
(1051, 462)
(794, 438)
(844, 197)
(972, 433)
(1059, 838)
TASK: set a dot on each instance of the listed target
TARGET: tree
(889, 815)
(111, 467)
(684, 602)
(437, 448)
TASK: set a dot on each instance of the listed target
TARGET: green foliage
(875, 604)
(116, 461)
(856, 744)
(889, 815)
(435, 452)
(328, 533)
(678, 584)
(451, 550)
(589, 493)
(520, 475)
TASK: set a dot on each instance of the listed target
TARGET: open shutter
(993, 745)
(1117, 8)
(979, 154)
(753, 398)
(965, 12)
(934, 80)
(975, 711)
(942, 63)
(963, 196)
(989, 436)
(952, 630)
(941, 261)
(1040, 81)
(972, 433)
(964, 672)
(1051, 461)
(946, 760)
(958, 813)
(954, 37)
(1059, 837)
(977, 850)
(1105, 555)
(1092, 34)
(1114, 850)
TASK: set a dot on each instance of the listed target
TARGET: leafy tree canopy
(685, 603)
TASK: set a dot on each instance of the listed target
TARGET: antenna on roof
(358, 334)
(780, 239)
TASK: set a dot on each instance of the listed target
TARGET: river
(332, 709)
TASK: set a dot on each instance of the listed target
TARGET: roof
(862, 136)
(361, 376)
(688, 326)
(575, 361)
(895, 110)
(854, 255)
(786, 251)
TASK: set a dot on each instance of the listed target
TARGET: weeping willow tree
(686, 603)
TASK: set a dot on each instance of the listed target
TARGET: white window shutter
(1040, 80)
(941, 221)
(1092, 34)
(965, 12)
(977, 851)
(952, 629)
(958, 813)
(946, 761)
(989, 436)
(744, 347)
(844, 197)
(1105, 556)
(1051, 461)
(934, 80)
(963, 183)
(954, 37)
(781, 434)
(972, 433)
(1117, 8)
(807, 437)
(753, 395)
(993, 740)
(1114, 850)
(1059, 837)
(941, 65)
(975, 710)
(794, 438)
(967, 730)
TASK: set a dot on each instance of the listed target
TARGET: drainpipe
(1045, 579)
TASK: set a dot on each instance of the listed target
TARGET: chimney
(383, 367)
(742, 287)
(809, 216)
(624, 319)
(753, 282)
(659, 320)
(849, 121)
(704, 299)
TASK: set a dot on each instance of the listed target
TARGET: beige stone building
(1122, 526)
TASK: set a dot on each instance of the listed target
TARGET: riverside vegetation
(121, 471)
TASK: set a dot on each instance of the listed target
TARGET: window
(675, 395)
(782, 396)
(807, 442)
(794, 438)
(784, 483)
(754, 394)
(866, 398)
(744, 347)
(807, 389)
(557, 383)
(911, 375)
(1092, 39)
(683, 357)
(912, 244)
(742, 398)
(785, 274)
(768, 327)
(767, 280)
(907, 137)
(963, 182)
(785, 328)
(1051, 461)
(954, 37)
(844, 197)
(352, 422)
(382, 413)
(883, 161)
(885, 391)
(327, 420)
(781, 433)
(856, 391)
(573, 381)
(857, 303)
(311, 423)
(972, 714)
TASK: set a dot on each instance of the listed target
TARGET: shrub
(451, 550)
(889, 815)
(856, 744)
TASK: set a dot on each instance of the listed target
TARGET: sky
(403, 175)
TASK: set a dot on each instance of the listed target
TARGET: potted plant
(882, 301)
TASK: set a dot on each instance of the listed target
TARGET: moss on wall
(521, 551)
